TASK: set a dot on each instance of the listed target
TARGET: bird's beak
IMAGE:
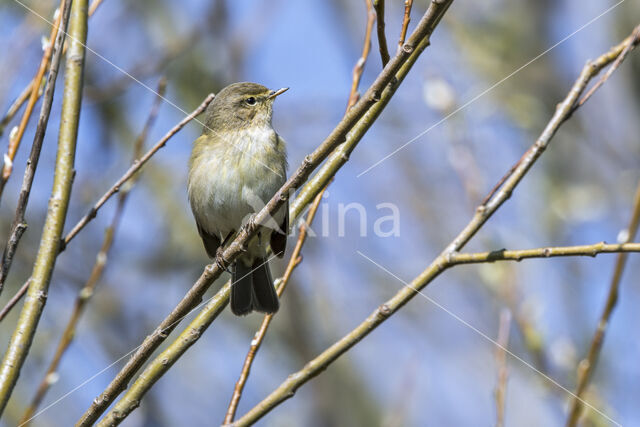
(275, 93)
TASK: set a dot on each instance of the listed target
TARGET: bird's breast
(235, 177)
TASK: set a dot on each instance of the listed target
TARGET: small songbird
(236, 166)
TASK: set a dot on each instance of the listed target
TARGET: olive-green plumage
(236, 166)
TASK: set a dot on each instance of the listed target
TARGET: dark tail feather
(265, 296)
(252, 288)
(241, 289)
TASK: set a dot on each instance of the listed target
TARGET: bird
(236, 166)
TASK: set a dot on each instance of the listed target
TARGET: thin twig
(24, 95)
(22, 337)
(405, 22)
(14, 300)
(635, 39)
(368, 105)
(288, 388)
(366, 48)
(256, 342)
(501, 362)
(382, 38)
(19, 225)
(15, 106)
(631, 42)
(15, 138)
(87, 291)
(588, 364)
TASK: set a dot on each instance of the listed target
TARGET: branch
(588, 364)
(405, 22)
(14, 300)
(501, 362)
(256, 342)
(27, 323)
(288, 388)
(24, 95)
(359, 67)
(15, 138)
(382, 39)
(366, 104)
(98, 267)
(19, 225)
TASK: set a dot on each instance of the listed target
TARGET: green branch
(37, 294)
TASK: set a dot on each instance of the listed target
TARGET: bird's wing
(279, 237)
(211, 242)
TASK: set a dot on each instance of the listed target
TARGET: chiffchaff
(236, 166)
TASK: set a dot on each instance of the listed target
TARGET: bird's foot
(220, 261)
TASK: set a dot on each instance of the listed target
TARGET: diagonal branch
(314, 367)
(24, 95)
(22, 337)
(372, 97)
(382, 38)
(588, 364)
(19, 225)
(98, 268)
(16, 137)
(501, 362)
(405, 22)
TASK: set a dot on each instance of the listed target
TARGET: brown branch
(19, 225)
(14, 300)
(635, 36)
(382, 38)
(22, 337)
(368, 103)
(24, 95)
(405, 22)
(501, 362)
(15, 138)
(588, 364)
(359, 67)
(256, 342)
(88, 289)
(314, 367)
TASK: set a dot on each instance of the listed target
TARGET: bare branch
(14, 139)
(19, 225)
(501, 362)
(57, 211)
(14, 300)
(366, 104)
(588, 364)
(24, 95)
(88, 289)
(359, 67)
(405, 22)
(382, 38)
(288, 388)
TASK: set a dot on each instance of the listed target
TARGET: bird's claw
(220, 261)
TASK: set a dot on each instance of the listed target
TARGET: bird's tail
(252, 288)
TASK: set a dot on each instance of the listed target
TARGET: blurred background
(422, 367)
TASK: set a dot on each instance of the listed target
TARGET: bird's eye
(251, 100)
